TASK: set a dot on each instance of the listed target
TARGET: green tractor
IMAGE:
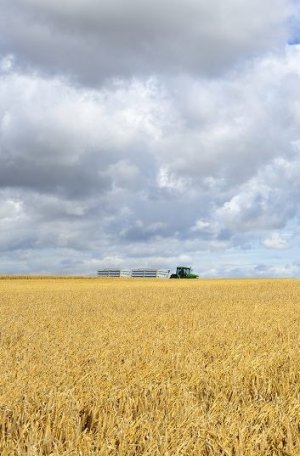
(183, 272)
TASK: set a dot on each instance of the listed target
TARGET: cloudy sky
(150, 133)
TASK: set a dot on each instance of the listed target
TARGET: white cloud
(188, 152)
(275, 241)
(202, 225)
(131, 162)
(6, 63)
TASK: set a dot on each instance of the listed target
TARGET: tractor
(183, 272)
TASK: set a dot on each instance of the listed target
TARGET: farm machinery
(183, 272)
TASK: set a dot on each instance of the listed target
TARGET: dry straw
(149, 367)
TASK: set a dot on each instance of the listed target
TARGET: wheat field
(149, 367)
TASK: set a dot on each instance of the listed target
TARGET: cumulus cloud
(149, 135)
(275, 241)
(57, 139)
(93, 40)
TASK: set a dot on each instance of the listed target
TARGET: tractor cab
(183, 272)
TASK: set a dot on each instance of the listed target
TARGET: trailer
(107, 272)
(141, 273)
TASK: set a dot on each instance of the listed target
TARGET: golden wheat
(149, 367)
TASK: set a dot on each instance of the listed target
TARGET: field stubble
(149, 367)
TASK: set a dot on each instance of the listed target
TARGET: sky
(138, 133)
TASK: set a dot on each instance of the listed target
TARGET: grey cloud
(74, 181)
(129, 151)
(148, 171)
(269, 200)
(92, 40)
(240, 124)
(56, 139)
(140, 232)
